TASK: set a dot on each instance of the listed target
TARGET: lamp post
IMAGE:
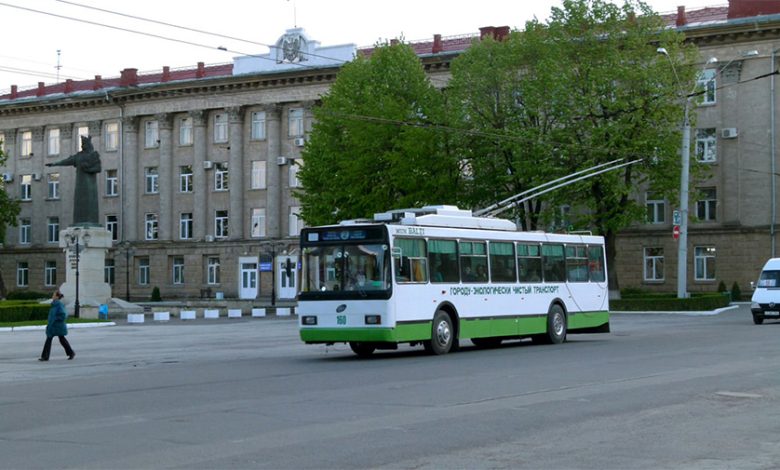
(270, 248)
(128, 249)
(74, 243)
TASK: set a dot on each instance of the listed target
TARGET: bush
(27, 295)
(156, 294)
(736, 292)
(668, 302)
(722, 287)
(20, 311)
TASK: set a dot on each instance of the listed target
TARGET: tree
(9, 210)
(372, 147)
(586, 87)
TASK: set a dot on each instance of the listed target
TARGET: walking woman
(57, 327)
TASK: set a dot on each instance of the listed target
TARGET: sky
(44, 45)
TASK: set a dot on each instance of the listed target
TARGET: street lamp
(270, 248)
(128, 249)
(73, 242)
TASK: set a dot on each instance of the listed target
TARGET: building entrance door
(248, 279)
(287, 273)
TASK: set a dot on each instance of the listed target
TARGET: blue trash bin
(103, 311)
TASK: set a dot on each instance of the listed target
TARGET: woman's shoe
(71, 356)
(42, 359)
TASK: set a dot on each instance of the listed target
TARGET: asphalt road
(660, 391)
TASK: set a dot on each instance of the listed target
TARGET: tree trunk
(3, 293)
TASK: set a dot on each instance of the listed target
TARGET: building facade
(199, 166)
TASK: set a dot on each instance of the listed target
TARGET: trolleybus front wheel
(556, 327)
(362, 349)
(442, 334)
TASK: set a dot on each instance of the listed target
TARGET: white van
(766, 297)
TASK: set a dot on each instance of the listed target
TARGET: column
(237, 173)
(129, 178)
(199, 175)
(273, 116)
(167, 186)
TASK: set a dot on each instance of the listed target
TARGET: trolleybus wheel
(442, 334)
(556, 327)
(758, 318)
(362, 349)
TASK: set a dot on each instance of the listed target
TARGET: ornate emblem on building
(291, 48)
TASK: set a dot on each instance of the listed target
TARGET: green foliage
(372, 147)
(668, 302)
(27, 295)
(156, 294)
(9, 207)
(20, 311)
(722, 287)
(736, 292)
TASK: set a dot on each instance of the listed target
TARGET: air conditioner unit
(209, 238)
(300, 142)
(36, 176)
(281, 160)
(729, 133)
(8, 177)
(208, 164)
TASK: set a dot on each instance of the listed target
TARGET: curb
(14, 329)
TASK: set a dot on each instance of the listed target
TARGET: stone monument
(86, 241)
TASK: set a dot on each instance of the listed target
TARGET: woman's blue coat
(57, 316)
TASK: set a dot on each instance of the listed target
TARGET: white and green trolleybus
(438, 275)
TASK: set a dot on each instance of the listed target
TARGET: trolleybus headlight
(309, 320)
(373, 319)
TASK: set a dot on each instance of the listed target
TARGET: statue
(85, 201)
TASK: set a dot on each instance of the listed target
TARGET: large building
(199, 166)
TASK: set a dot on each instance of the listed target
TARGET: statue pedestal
(89, 265)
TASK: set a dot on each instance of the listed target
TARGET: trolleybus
(438, 275)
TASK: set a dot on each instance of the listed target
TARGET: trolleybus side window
(443, 260)
(553, 263)
(596, 263)
(473, 262)
(411, 262)
(502, 262)
(529, 261)
(576, 263)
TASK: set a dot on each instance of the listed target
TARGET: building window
(220, 127)
(112, 225)
(53, 185)
(24, 231)
(258, 223)
(654, 264)
(178, 270)
(212, 270)
(704, 263)
(81, 131)
(258, 125)
(53, 229)
(150, 227)
(143, 271)
(295, 222)
(293, 174)
(2, 142)
(707, 85)
(25, 188)
(112, 136)
(707, 204)
(295, 122)
(221, 224)
(185, 179)
(151, 134)
(221, 177)
(258, 175)
(26, 148)
(50, 273)
(656, 208)
(185, 131)
(112, 183)
(109, 272)
(152, 181)
(706, 145)
(54, 141)
(22, 274)
(185, 226)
